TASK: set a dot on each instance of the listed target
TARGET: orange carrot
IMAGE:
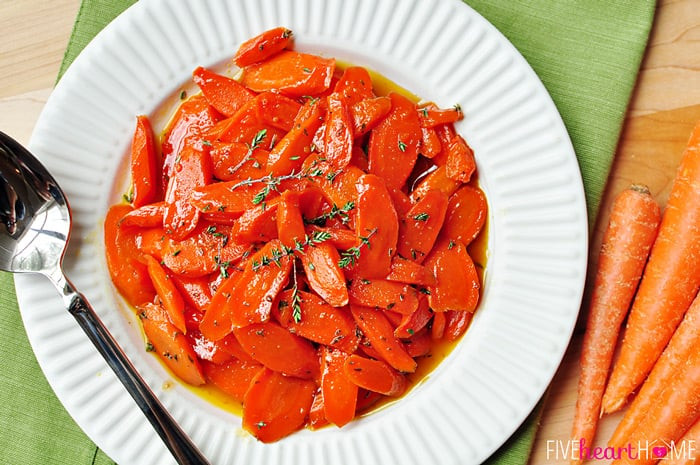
(669, 284)
(262, 46)
(338, 134)
(223, 93)
(290, 73)
(676, 353)
(380, 333)
(339, 392)
(232, 377)
(634, 220)
(144, 174)
(374, 375)
(167, 292)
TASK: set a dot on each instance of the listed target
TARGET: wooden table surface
(664, 107)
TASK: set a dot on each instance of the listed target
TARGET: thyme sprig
(276, 255)
(341, 212)
(254, 144)
(296, 300)
(350, 256)
(272, 182)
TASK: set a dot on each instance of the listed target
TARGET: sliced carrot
(354, 85)
(431, 116)
(247, 126)
(144, 164)
(460, 160)
(421, 343)
(290, 224)
(631, 231)
(466, 215)
(262, 46)
(231, 345)
(146, 216)
(402, 203)
(457, 283)
(236, 161)
(291, 151)
(257, 224)
(276, 405)
(381, 335)
(375, 375)
(456, 324)
(393, 143)
(151, 241)
(340, 237)
(319, 322)
(216, 323)
(684, 339)
(172, 301)
(225, 94)
(207, 350)
(323, 274)
(413, 322)
(170, 344)
(339, 392)
(435, 180)
(338, 135)
(410, 272)
(128, 274)
(232, 377)
(367, 114)
(379, 293)
(277, 110)
(317, 415)
(669, 284)
(195, 291)
(430, 145)
(290, 73)
(279, 350)
(437, 329)
(419, 229)
(366, 399)
(226, 199)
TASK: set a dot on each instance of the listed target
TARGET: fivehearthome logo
(648, 450)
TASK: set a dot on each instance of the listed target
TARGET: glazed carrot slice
(409, 272)
(277, 110)
(258, 224)
(236, 161)
(225, 94)
(438, 327)
(339, 392)
(419, 229)
(290, 73)
(319, 322)
(247, 126)
(366, 399)
(341, 187)
(323, 274)
(381, 335)
(367, 113)
(196, 292)
(205, 349)
(279, 350)
(232, 377)
(338, 134)
(226, 199)
(147, 216)
(289, 153)
(430, 145)
(466, 215)
(216, 323)
(231, 345)
(431, 116)
(374, 375)
(128, 274)
(456, 324)
(435, 180)
(413, 322)
(669, 284)
(341, 238)
(457, 286)
(262, 46)
(290, 224)
(421, 343)
(354, 85)
(151, 241)
(402, 202)
(460, 160)
(172, 301)
(170, 344)
(393, 143)
(144, 162)
(377, 226)
(317, 414)
(397, 297)
(276, 405)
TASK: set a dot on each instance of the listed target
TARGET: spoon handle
(182, 448)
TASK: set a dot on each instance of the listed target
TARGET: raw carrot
(676, 353)
(669, 284)
(634, 220)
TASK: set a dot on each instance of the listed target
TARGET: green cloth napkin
(587, 53)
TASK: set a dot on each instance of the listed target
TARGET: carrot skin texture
(144, 161)
(676, 353)
(669, 284)
(262, 46)
(633, 225)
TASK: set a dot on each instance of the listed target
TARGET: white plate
(440, 50)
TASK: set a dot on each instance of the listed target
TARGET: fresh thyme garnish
(224, 237)
(402, 146)
(296, 300)
(342, 213)
(421, 217)
(272, 182)
(276, 254)
(350, 256)
(254, 144)
(222, 266)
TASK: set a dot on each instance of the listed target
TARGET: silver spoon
(35, 224)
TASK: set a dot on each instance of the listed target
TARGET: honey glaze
(477, 250)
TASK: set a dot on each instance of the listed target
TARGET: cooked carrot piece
(460, 160)
(457, 283)
(367, 113)
(339, 392)
(290, 73)
(340, 237)
(279, 350)
(340, 189)
(172, 301)
(436, 180)
(151, 241)
(413, 322)
(397, 297)
(262, 46)
(144, 161)
(669, 284)
(431, 116)
(381, 335)
(277, 110)
(226, 199)
(205, 349)
(290, 224)
(466, 215)
(377, 227)
(195, 291)
(419, 229)
(317, 414)
(456, 324)
(216, 323)
(430, 145)
(338, 134)
(420, 344)
(232, 377)
(128, 274)
(393, 143)
(354, 85)
(170, 344)
(146, 216)
(258, 224)
(324, 275)
(393, 317)
(366, 399)
(319, 322)
(247, 126)
(276, 405)
(230, 345)
(402, 202)
(236, 161)
(409, 272)
(225, 94)
(290, 152)
(374, 375)
(438, 327)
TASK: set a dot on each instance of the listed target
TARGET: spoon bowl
(35, 225)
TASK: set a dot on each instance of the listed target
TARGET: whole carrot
(669, 284)
(676, 353)
(634, 220)
(676, 409)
